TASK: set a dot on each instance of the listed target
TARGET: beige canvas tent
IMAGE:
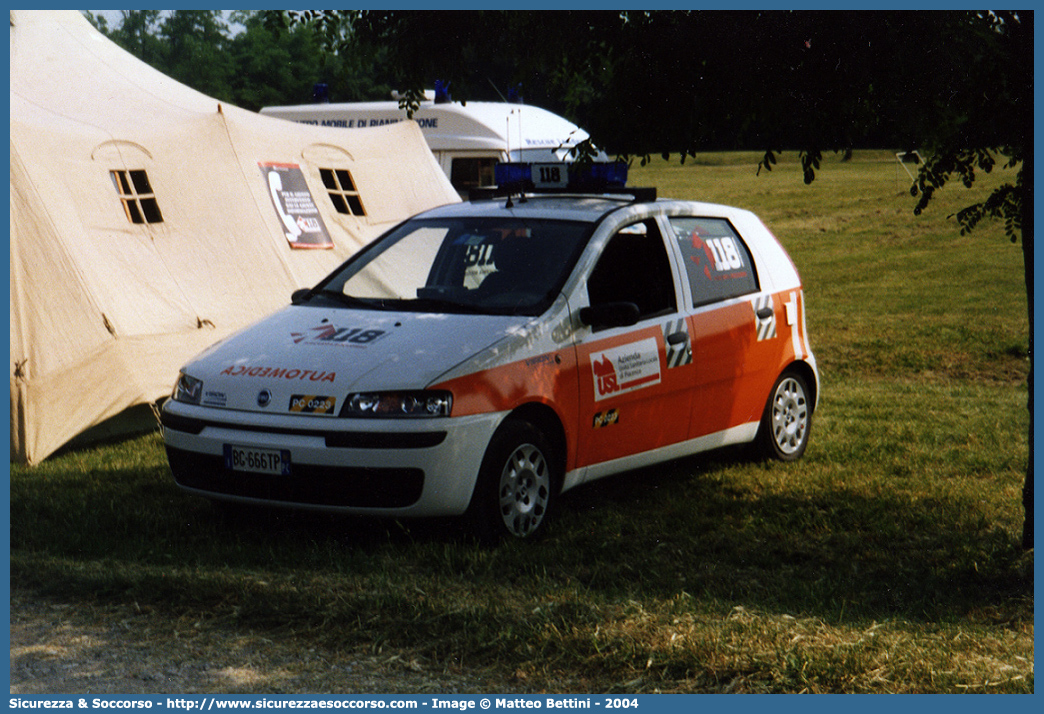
(148, 221)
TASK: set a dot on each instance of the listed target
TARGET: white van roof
(451, 126)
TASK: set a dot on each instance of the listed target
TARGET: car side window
(634, 267)
(717, 260)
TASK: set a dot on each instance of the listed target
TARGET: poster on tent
(302, 224)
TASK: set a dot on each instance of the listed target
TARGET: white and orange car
(482, 358)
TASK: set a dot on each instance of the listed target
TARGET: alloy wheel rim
(789, 416)
(525, 490)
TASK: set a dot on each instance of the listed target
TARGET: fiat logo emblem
(263, 398)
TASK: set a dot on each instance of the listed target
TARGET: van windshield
(473, 265)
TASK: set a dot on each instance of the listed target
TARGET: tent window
(136, 195)
(342, 191)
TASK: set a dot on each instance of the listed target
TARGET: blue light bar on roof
(512, 174)
(591, 177)
(613, 174)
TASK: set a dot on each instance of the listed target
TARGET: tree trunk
(1024, 54)
(1027, 254)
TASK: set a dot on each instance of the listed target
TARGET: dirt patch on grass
(59, 648)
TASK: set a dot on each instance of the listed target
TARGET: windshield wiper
(351, 300)
(435, 304)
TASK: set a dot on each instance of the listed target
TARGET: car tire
(517, 485)
(787, 421)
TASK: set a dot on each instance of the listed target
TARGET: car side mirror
(610, 314)
(298, 296)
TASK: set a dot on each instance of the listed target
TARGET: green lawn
(886, 560)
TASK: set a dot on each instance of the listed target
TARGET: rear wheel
(787, 421)
(517, 484)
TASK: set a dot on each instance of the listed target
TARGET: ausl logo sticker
(626, 368)
(327, 334)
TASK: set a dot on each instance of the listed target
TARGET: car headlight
(188, 390)
(398, 404)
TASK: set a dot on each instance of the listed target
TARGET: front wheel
(517, 484)
(787, 421)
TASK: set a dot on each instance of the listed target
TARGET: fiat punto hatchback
(482, 358)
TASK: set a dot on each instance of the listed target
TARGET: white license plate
(255, 460)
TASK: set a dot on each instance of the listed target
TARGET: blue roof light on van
(442, 92)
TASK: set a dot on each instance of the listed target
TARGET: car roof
(563, 207)
(572, 207)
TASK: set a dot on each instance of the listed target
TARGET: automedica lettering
(301, 375)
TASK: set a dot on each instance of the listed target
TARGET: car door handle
(677, 338)
(765, 313)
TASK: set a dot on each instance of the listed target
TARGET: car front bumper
(392, 467)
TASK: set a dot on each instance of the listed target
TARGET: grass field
(887, 560)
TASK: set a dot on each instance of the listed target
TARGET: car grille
(332, 486)
(334, 440)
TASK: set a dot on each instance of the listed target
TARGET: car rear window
(717, 260)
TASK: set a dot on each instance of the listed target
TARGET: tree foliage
(197, 49)
(259, 64)
(956, 84)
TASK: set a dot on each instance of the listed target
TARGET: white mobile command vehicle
(483, 357)
(468, 140)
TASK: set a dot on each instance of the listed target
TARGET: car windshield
(473, 265)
